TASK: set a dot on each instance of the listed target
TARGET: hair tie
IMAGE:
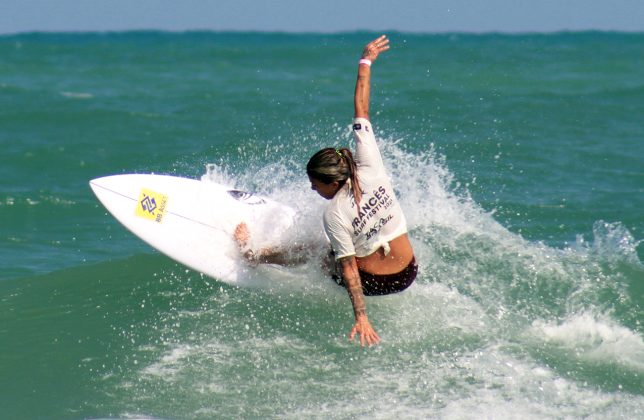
(339, 153)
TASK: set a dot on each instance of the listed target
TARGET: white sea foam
(611, 242)
(595, 338)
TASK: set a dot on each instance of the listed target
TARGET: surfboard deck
(193, 221)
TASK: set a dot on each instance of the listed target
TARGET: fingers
(382, 41)
(373, 339)
(352, 334)
(367, 335)
(370, 338)
(375, 47)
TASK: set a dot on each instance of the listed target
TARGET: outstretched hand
(375, 47)
(363, 328)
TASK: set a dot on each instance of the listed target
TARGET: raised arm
(369, 55)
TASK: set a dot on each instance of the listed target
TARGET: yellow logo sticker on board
(151, 205)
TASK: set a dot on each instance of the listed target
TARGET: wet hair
(330, 165)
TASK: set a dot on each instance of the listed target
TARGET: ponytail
(353, 174)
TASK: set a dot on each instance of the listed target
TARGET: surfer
(363, 221)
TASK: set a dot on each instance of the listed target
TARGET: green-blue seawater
(518, 160)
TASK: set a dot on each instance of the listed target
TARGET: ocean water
(518, 159)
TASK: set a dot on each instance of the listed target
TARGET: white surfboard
(193, 221)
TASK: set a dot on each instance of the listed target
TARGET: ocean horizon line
(321, 33)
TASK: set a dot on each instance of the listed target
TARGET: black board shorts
(386, 284)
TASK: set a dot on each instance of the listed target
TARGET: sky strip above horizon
(430, 16)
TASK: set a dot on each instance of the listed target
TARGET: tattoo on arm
(354, 286)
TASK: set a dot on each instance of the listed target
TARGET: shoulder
(336, 210)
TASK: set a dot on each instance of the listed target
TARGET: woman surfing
(363, 220)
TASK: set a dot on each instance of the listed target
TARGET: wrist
(365, 61)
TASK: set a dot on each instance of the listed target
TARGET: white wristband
(364, 61)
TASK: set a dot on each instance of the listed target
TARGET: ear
(335, 185)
